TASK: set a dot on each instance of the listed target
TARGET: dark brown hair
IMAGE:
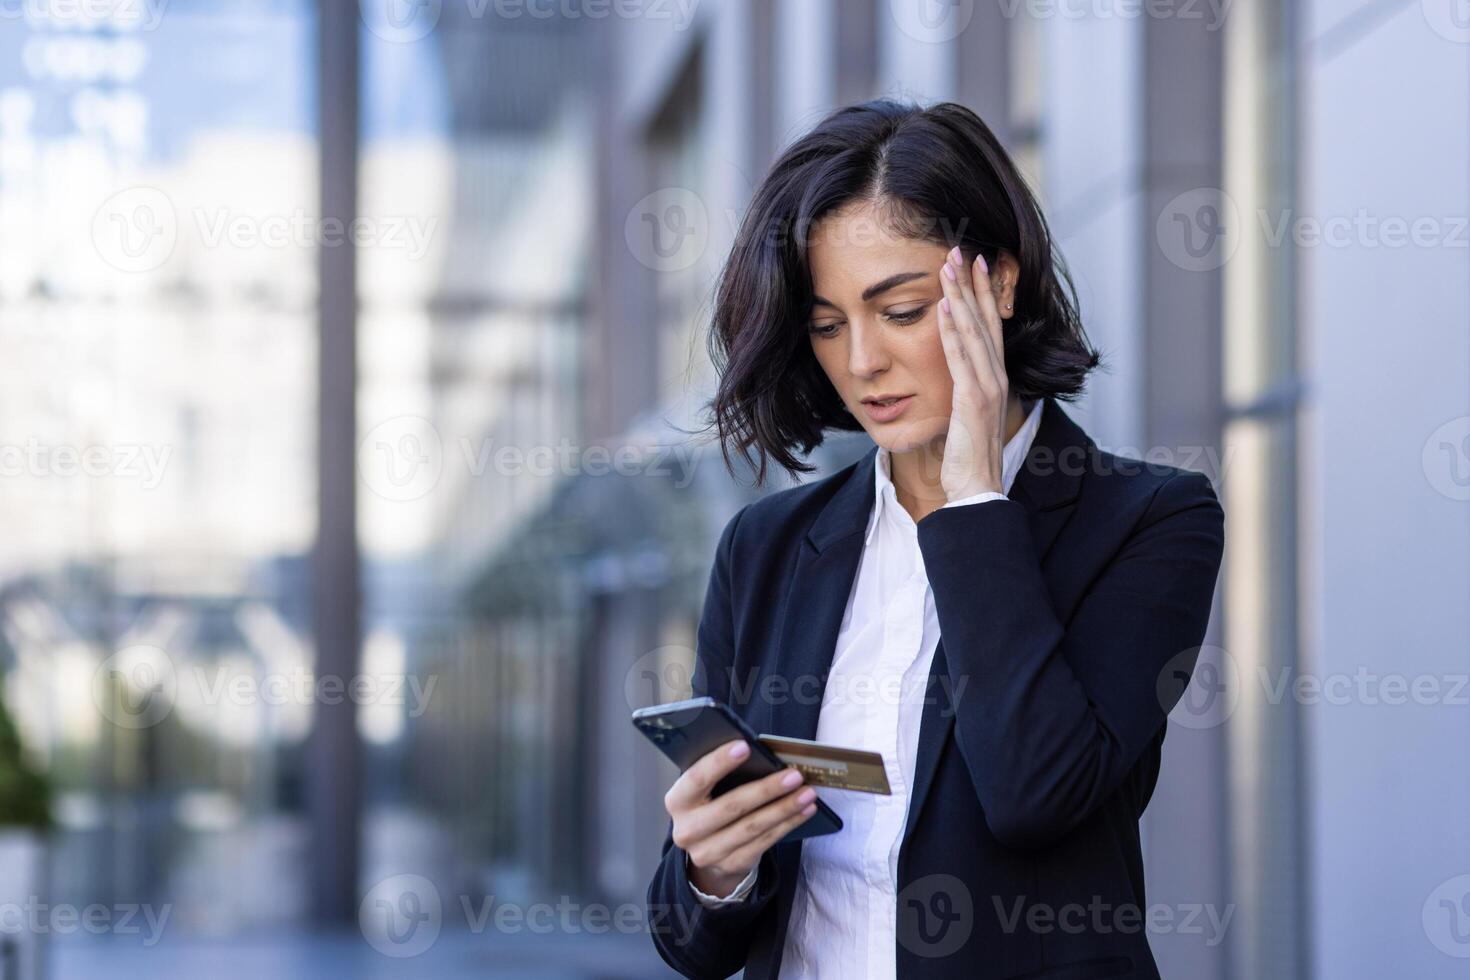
(937, 174)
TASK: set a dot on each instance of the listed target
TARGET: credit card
(831, 765)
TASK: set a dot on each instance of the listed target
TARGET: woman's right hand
(726, 836)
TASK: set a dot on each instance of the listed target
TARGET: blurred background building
(414, 295)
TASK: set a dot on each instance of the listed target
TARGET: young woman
(1001, 609)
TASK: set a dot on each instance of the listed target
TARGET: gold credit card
(831, 765)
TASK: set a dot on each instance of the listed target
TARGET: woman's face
(875, 325)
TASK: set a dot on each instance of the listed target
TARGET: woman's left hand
(970, 328)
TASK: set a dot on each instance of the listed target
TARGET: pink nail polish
(949, 272)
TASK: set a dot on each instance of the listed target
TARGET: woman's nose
(865, 353)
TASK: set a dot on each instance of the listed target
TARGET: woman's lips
(887, 412)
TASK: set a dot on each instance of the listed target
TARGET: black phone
(686, 731)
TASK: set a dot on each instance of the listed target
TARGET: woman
(1001, 609)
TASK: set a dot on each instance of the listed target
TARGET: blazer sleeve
(1051, 720)
(696, 940)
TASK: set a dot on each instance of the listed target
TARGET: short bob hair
(937, 174)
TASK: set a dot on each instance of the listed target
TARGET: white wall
(806, 66)
(1094, 202)
(1386, 555)
(917, 49)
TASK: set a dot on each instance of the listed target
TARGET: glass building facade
(513, 215)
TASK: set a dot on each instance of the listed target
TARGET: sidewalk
(349, 957)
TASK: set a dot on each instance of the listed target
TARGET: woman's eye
(903, 317)
(908, 316)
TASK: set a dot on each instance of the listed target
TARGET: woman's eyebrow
(878, 287)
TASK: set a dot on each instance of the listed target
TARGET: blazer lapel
(826, 565)
(1047, 486)
(1050, 478)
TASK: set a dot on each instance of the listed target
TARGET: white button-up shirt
(844, 917)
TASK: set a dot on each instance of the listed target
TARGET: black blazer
(1071, 613)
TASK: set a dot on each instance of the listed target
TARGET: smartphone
(686, 731)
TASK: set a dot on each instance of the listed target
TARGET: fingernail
(955, 256)
(738, 750)
(949, 271)
(807, 795)
(980, 261)
(791, 778)
(944, 304)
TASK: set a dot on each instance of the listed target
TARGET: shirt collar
(1012, 456)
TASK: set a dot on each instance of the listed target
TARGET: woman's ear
(1003, 275)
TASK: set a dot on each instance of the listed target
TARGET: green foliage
(25, 795)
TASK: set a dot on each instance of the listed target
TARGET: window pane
(477, 169)
(157, 291)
